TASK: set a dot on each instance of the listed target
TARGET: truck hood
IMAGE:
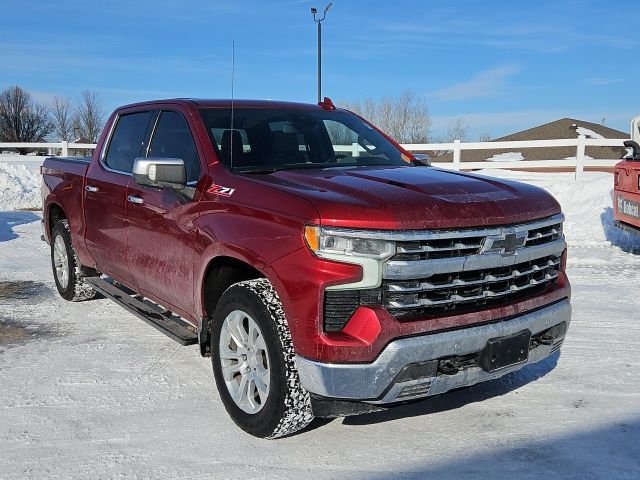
(412, 197)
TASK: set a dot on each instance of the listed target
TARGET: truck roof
(226, 103)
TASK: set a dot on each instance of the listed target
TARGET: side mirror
(635, 156)
(160, 172)
(422, 160)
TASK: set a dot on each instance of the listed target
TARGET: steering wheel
(335, 157)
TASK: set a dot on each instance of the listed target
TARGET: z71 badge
(220, 190)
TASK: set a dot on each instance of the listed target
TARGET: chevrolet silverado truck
(324, 269)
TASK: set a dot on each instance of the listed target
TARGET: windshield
(265, 139)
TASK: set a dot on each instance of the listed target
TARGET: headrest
(285, 143)
(225, 144)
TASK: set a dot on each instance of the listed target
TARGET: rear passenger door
(106, 191)
(161, 235)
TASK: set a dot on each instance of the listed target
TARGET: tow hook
(447, 367)
(548, 336)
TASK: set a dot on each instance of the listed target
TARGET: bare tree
(404, 118)
(22, 119)
(485, 137)
(456, 130)
(88, 118)
(61, 115)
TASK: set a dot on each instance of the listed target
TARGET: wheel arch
(54, 213)
(221, 272)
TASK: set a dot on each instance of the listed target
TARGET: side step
(168, 323)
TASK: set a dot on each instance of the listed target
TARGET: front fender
(256, 241)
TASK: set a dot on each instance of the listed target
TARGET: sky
(502, 66)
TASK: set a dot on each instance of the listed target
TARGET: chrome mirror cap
(160, 172)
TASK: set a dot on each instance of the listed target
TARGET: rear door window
(127, 141)
(173, 139)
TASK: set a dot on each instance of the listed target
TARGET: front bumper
(412, 367)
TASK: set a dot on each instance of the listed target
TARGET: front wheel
(253, 362)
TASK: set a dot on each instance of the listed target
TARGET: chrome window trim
(417, 235)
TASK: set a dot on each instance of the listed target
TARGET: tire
(286, 408)
(68, 272)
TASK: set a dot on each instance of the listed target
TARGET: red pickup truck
(322, 267)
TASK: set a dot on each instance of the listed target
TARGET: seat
(286, 148)
(231, 143)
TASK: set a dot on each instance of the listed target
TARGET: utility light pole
(318, 20)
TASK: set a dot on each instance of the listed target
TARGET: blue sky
(501, 65)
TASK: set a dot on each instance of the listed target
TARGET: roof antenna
(233, 69)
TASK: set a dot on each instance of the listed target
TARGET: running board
(166, 322)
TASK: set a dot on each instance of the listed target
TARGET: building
(563, 128)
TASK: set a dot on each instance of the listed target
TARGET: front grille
(474, 289)
(446, 272)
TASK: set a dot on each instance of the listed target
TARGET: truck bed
(63, 180)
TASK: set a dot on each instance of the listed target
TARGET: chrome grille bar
(487, 278)
(414, 269)
(455, 298)
(410, 248)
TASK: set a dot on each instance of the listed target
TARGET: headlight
(328, 242)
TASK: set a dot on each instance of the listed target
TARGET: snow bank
(506, 157)
(588, 206)
(19, 187)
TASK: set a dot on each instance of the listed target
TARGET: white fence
(578, 163)
(52, 147)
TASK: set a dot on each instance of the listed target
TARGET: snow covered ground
(89, 391)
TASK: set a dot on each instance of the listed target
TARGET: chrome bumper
(379, 383)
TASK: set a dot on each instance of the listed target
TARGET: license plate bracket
(505, 351)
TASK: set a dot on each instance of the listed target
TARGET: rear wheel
(253, 362)
(68, 272)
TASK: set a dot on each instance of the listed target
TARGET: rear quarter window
(127, 141)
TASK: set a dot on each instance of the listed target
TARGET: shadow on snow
(10, 220)
(605, 452)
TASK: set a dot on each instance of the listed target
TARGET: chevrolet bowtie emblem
(510, 243)
(507, 243)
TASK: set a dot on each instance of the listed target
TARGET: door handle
(136, 200)
(91, 189)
